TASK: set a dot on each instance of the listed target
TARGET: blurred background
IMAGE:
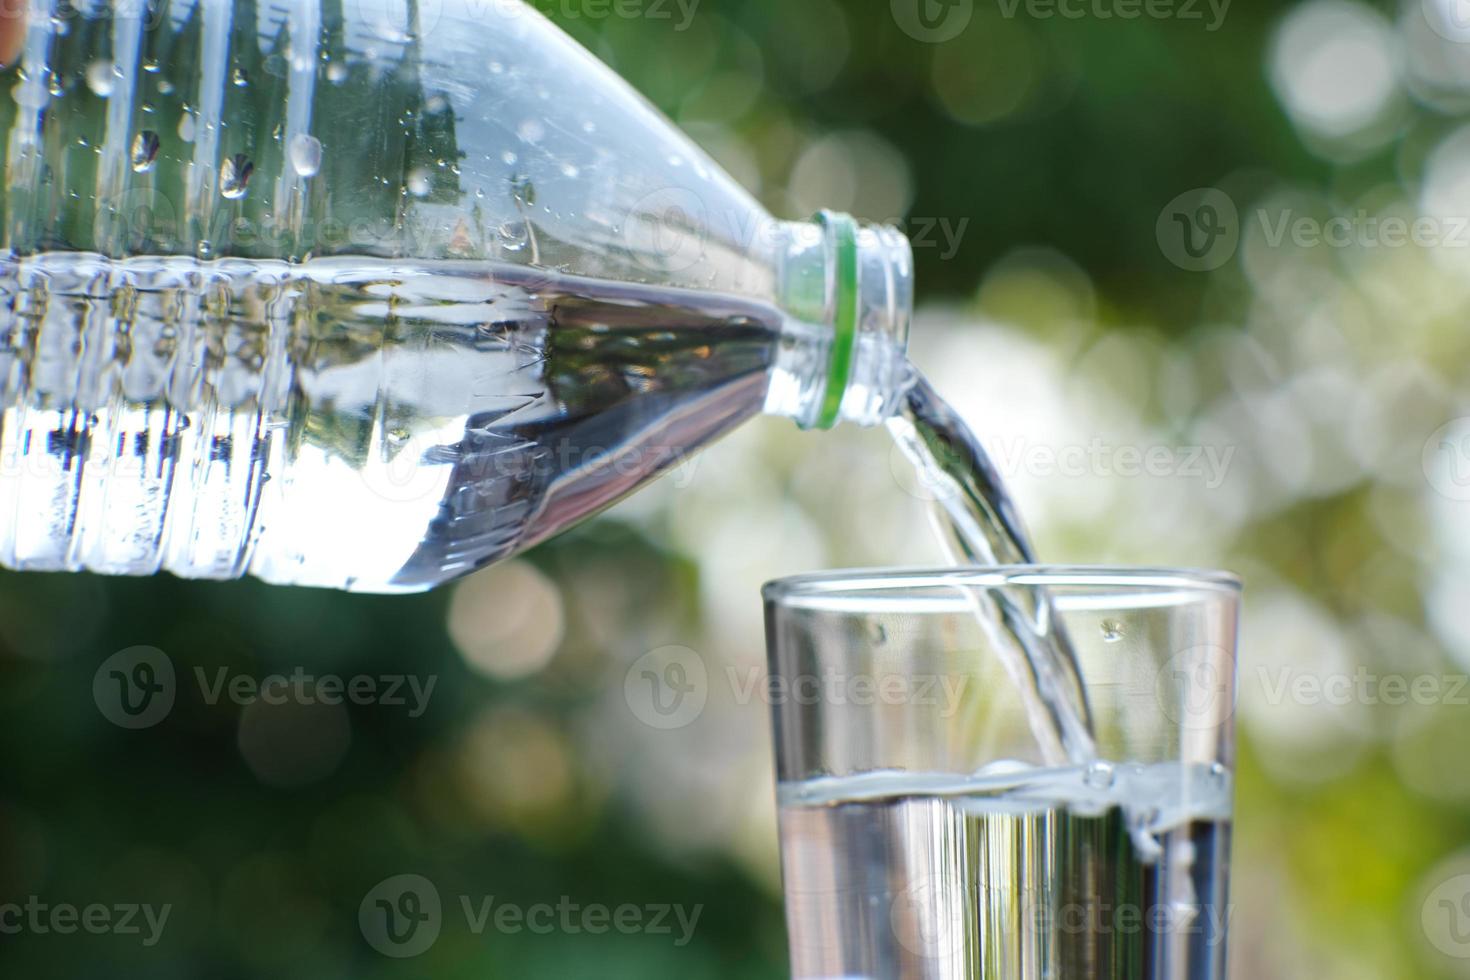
(1197, 273)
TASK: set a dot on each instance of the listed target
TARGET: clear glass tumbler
(925, 834)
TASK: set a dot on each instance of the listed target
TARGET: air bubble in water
(1100, 775)
(186, 127)
(240, 77)
(336, 73)
(100, 78)
(306, 154)
(531, 130)
(418, 182)
(145, 150)
(570, 170)
(234, 176)
(1112, 631)
(509, 158)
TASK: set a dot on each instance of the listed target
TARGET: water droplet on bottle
(336, 73)
(418, 182)
(150, 65)
(570, 170)
(234, 176)
(509, 158)
(306, 154)
(54, 85)
(877, 634)
(675, 160)
(523, 191)
(100, 77)
(165, 86)
(240, 77)
(531, 130)
(436, 104)
(145, 150)
(496, 68)
(589, 127)
(186, 127)
(513, 236)
(1112, 631)
(1100, 775)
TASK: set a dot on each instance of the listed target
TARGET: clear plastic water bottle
(368, 294)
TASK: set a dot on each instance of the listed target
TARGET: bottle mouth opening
(847, 289)
(873, 310)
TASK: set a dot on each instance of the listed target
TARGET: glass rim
(877, 581)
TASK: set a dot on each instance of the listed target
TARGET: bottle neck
(847, 291)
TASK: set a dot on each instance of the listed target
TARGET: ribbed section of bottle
(143, 413)
(360, 424)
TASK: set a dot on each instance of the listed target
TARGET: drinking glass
(928, 829)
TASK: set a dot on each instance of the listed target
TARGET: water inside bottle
(368, 424)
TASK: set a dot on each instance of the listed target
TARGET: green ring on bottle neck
(842, 229)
